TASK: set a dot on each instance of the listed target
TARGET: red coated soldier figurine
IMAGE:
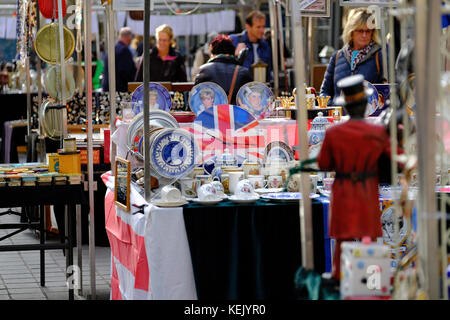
(352, 149)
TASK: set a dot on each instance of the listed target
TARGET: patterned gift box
(365, 269)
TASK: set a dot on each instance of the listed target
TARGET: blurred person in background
(166, 63)
(125, 66)
(222, 65)
(361, 54)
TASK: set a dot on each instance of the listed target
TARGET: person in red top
(352, 149)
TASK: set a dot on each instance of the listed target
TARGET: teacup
(250, 168)
(188, 187)
(313, 178)
(293, 184)
(235, 177)
(275, 182)
(207, 192)
(197, 171)
(220, 191)
(170, 194)
(202, 179)
(257, 181)
(225, 179)
(327, 183)
(244, 189)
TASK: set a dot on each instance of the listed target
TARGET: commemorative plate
(159, 98)
(278, 150)
(205, 95)
(158, 119)
(256, 98)
(243, 201)
(287, 196)
(207, 202)
(173, 152)
(373, 100)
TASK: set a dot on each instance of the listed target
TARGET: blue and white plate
(278, 150)
(256, 98)
(287, 196)
(206, 89)
(173, 153)
(162, 102)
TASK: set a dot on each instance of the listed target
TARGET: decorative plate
(241, 200)
(207, 202)
(165, 204)
(173, 152)
(287, 196)
(373, 100)
(158, 119)
(256, 98)
(52, 82)
(212, 93)
(158, 95)
(278, 150)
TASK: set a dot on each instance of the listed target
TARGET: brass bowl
(46, 43)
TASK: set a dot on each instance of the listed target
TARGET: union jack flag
(228, 126)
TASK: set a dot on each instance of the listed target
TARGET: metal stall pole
(147, 8)
(88, 84)
(63, 72)
(110, 28)
(281, 42)
(306, 230)
(427, 72)
(41, 141)
(393, 130)
(274, 34)
(384, 44)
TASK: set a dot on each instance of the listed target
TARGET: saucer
(269, 190)
(243, 200)
(287, 196)
(167, 204)
(207, 202)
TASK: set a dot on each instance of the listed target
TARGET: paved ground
(20, 270)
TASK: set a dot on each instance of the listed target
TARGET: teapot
(318, 127)
(214, 165)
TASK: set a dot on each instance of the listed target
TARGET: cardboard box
(53, 162)
(107, 145)
(95, 156)
(70, 162)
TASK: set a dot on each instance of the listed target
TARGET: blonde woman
(361, 54)
(166, 63)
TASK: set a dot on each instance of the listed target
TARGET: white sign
(315, 8)
(362, 3)
(131, 5)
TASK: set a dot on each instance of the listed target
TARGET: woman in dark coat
(361, 54)
(166, 63)
(220, 68)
